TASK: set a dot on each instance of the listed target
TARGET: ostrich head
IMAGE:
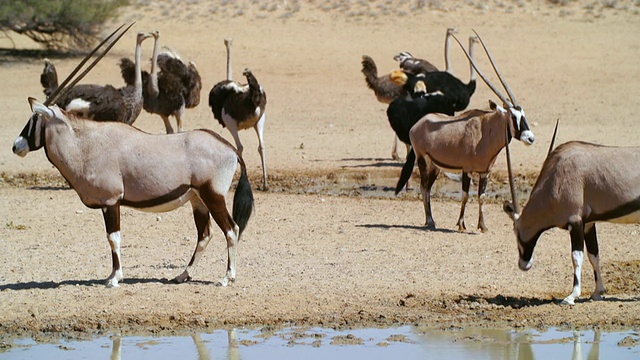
(405, 55)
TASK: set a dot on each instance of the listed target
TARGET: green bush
(58, 24)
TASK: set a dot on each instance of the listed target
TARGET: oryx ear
(41, 109)
(492, 105)
(398, 77)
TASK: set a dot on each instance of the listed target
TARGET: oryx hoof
(112, 283)
(182, 278)
(568, 301)
(226, 281)
(598, 295)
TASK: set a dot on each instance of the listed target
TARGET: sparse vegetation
(58, 24)
(11, 226)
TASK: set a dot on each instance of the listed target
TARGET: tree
(58, 24)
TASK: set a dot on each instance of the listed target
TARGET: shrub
(58, 24)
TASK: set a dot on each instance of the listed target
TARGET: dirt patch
(331, 245)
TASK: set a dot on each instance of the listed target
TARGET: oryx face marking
(520, 123)
(31, 137)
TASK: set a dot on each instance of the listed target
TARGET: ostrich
(414, 65)
(452, 86)
(406, 111)
(241, 106)
(102, 102)
(175, 87)
(386, 90)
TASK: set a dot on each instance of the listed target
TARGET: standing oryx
(110, 164)
(467, 143)
(579, 184)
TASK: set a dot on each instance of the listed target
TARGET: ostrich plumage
(102, 102)
(239, 106)
(171, 87)
(453, 87)
(414, 65)
(405, 111)
(385, 90)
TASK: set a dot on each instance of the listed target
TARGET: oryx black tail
(407, 170)
(242, 199)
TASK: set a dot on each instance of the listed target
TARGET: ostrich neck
(472, 70)
(138, 80)
(447, 61)
(154, 69)
(229, 71)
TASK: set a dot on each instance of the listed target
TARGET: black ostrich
(172, 89)
(459, 92)
(405, 111)
(102, 102)
(239, 106)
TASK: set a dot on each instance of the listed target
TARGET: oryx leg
(203, 225)
(466, 183)
(111, 216)
(167, 124)
(591, 240)
(576, 230)
(482, 187)
(218, 209)
(261, 149)
(428, 175)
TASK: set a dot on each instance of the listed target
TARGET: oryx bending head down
(110, 164)
(579, 184)
(468, 143)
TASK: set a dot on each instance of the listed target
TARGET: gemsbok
(580, 184)
(111, 164)
(467, 143)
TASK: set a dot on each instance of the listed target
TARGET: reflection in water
(201, 346)
(508, 344)
(405, 342)
(116, 352)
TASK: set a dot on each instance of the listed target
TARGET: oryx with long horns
(580, 184)
(467, 143)
(110, 164)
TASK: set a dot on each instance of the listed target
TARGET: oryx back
(595, 182)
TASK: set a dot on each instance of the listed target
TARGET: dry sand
(329, 244)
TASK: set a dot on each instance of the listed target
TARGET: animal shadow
(408, 227)
(44, 285)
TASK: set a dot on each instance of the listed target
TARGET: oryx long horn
(512, 185)
(553, 138)
(481, 74)
(63, 88)
(495, 68)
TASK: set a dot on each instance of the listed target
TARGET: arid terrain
(330, 244)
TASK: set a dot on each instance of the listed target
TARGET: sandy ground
(329, 244)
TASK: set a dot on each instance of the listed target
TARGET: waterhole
(407, 342)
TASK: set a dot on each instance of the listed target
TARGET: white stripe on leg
(116, 273)
(577, 257)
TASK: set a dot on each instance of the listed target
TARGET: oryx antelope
(579, 184)
(467, 143)
(110, 164)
